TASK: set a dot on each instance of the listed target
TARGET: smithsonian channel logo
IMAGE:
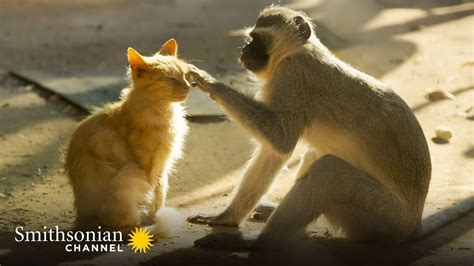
(139, 239)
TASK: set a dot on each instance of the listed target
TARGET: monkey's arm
(277, 128)
(274, 127)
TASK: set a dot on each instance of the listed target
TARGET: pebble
(27, 88)
(53, 98)
(440, 95)
(444, 133)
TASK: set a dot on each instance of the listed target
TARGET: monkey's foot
(263, 211)
(210, 220)
(225, 240)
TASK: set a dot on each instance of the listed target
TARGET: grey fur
(368, 167)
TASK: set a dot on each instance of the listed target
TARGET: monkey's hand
(211, 220)
(202, 79)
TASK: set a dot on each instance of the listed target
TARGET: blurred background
(60, 59)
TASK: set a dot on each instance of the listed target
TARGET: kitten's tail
(167, 223)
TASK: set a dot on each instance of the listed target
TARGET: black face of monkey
(255, 54)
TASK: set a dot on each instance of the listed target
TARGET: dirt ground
(413, 46)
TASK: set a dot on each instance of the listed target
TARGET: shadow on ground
(322, 252)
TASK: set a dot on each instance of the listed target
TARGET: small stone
(443, 133)
(28, 88)
(53, 98)
(440, 95)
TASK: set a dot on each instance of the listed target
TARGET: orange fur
(119, 158)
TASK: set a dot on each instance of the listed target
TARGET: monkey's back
(357, 118)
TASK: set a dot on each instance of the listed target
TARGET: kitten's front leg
(154, 203)
(160, 195)
(156, 200)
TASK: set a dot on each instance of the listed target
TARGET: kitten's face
(161, 75)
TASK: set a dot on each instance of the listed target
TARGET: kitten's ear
(169, 48)
(135, 59)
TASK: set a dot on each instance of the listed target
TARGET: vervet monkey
(367, 168)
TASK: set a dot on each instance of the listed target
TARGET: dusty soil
(35, 192)
(412, 47)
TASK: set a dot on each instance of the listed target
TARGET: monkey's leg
(266, 208)
(308, 159)
(257, 179)
(347, 196)
(263, 210)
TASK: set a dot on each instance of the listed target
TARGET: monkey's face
(277, 32)
(255, 54)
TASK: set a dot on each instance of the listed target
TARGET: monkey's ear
(169, 48)
(135, 59)
(303, 28)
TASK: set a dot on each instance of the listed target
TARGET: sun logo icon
(140, 240)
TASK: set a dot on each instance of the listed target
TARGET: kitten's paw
(211, 220)
(225, 240)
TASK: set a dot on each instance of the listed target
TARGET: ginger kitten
(119, 158)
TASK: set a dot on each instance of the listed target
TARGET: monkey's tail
(167, 223)
(433, 222)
